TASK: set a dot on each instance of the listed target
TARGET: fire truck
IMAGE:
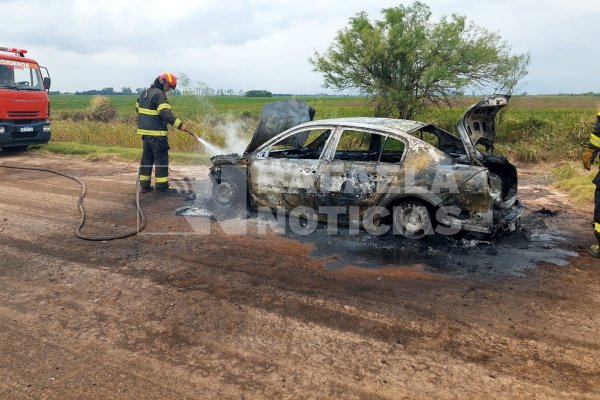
(24, 103)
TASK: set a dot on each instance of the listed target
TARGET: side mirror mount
(47, 82)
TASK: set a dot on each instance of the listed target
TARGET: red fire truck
(24, 104)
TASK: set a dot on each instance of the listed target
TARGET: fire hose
(141, 220)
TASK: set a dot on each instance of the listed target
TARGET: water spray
(211, 148)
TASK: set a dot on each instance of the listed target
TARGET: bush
(101, 109)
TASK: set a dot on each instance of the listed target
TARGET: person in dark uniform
(6, 76)
(589, 154)
(154, 116)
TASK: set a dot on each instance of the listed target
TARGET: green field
(196, 106)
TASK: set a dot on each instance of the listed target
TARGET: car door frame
(332, 172)
(299, 176)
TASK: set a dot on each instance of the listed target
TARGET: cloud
(256, 44)
(88, 26)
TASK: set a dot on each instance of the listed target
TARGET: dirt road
(174, 313)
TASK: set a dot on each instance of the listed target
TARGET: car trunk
(477, 129)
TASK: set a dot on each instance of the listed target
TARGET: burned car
(413, 175)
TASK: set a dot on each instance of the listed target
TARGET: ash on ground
(535, 242)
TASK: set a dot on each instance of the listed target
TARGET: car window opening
(304, 145)
(365, 146)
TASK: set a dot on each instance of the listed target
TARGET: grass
(193, 107)
(572, 179)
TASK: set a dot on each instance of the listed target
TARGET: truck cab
(24, 103)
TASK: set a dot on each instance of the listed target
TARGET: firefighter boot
(168, 190)
(145, 188)
(595, 251)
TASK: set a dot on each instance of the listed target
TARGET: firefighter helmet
(168, 78)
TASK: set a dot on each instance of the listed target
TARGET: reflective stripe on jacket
(594, 142)
(154, 113)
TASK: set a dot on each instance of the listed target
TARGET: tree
(406, 62)
(185, 83)
(107, 91)
(258, 93)
(202, 89)
(126, 90)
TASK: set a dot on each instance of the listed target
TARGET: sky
(265, 44)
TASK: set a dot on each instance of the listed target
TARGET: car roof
(390, 123)
(400, 127)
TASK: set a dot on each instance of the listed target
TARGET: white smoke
(235, 139)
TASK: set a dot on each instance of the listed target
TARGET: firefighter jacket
(154, 113)
(594, 142)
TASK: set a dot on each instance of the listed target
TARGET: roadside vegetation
(572, 179)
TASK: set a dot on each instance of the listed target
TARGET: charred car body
(423, 178)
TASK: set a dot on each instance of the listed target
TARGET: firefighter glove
(588, 157)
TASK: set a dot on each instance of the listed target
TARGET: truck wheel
(15, 149)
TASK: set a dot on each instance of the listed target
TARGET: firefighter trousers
(155, 153)
(597, 207)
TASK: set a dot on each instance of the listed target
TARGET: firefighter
(589, 154)
(154, 114)
(6, 75)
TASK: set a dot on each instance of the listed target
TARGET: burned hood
(229, 159)
(277, 117)
(478, 124)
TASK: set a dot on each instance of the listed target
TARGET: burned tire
(229, 201)
(412, 218)
(229, 192)
(226, 195)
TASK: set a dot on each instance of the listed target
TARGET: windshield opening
(20, 75)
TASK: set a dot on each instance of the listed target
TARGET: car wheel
(225, 194)
(412, 219)
(227, 198)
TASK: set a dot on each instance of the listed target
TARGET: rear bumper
(498, 221)
(507, 220)
(24, 133)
